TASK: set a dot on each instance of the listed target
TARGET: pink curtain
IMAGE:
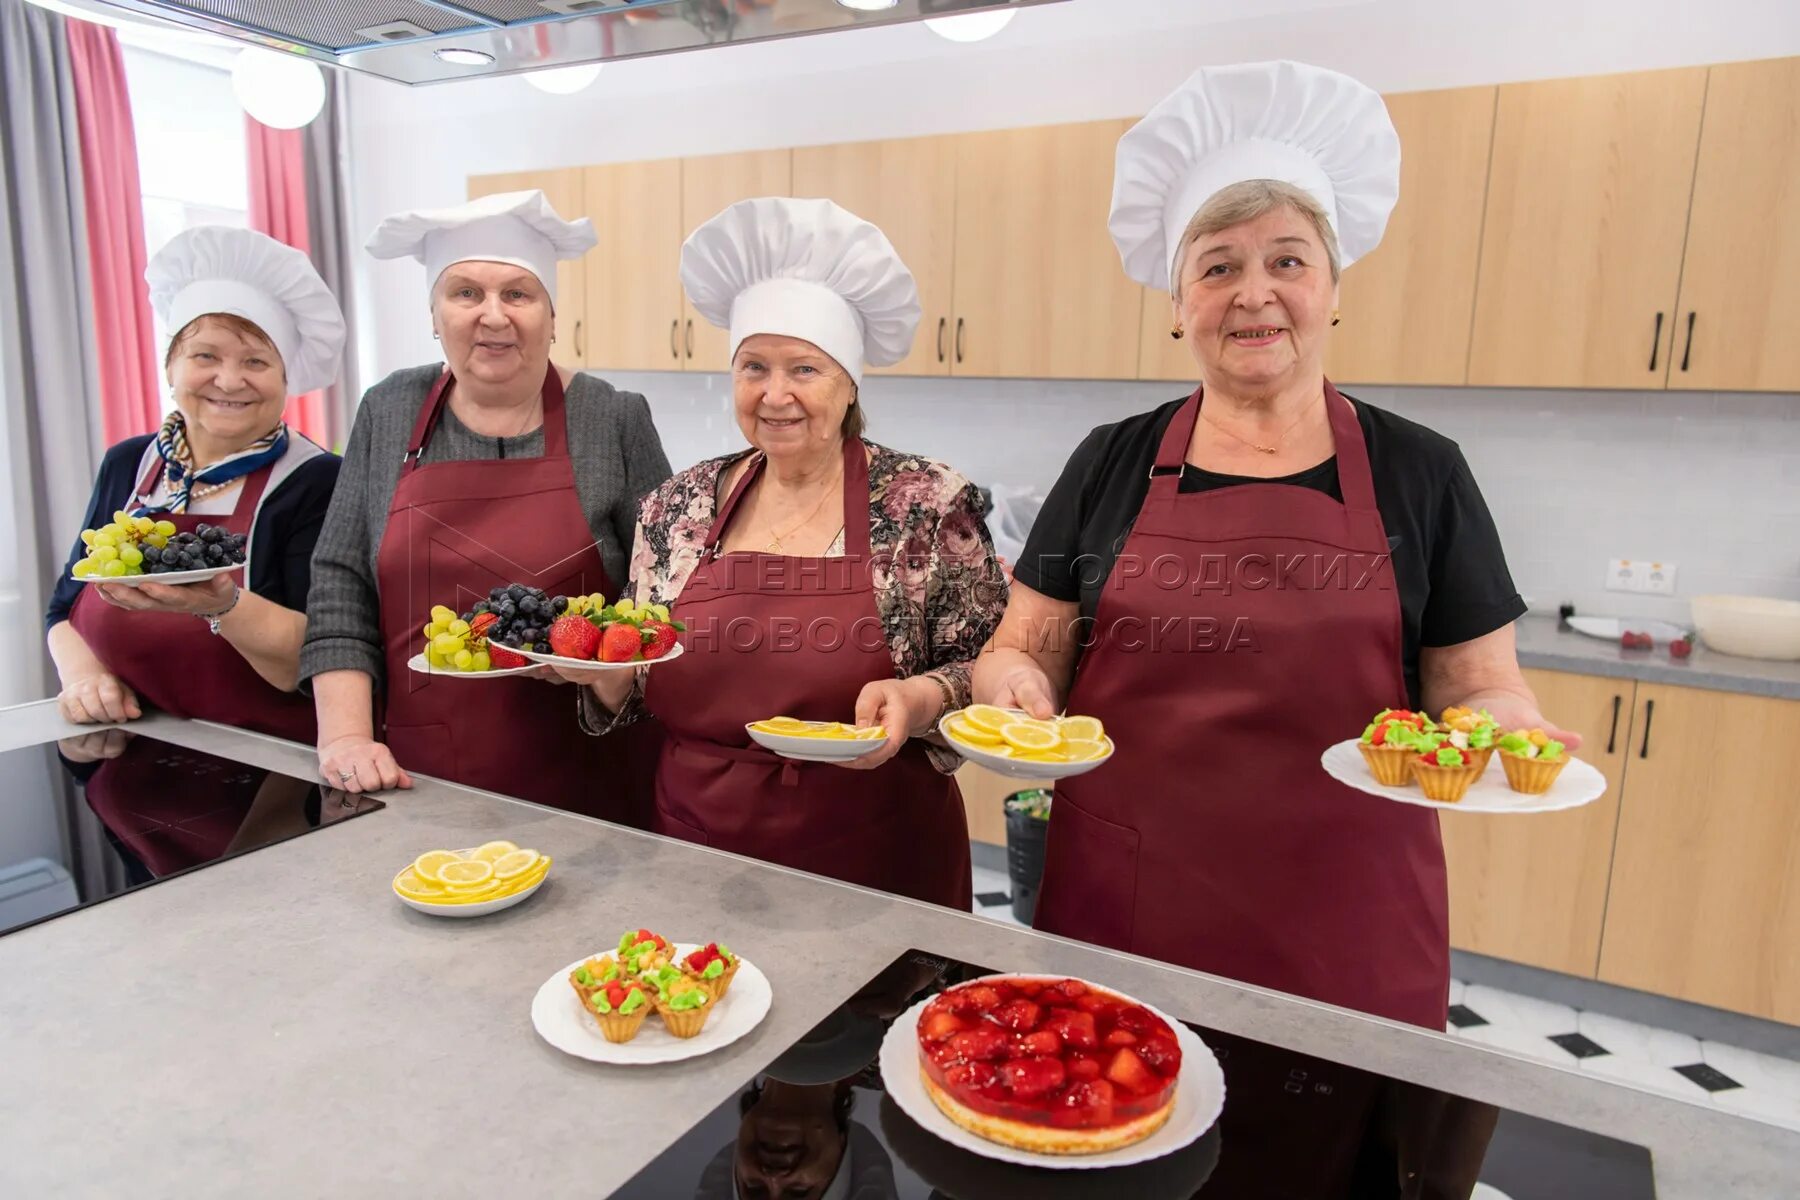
(278, 208)
(130, 395)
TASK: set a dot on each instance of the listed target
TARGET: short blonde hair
(1246, 201)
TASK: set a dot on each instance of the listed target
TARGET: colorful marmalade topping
(710, 961)
(622, 998)
(1049, 1052)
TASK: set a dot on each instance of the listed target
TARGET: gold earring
(1335, 317)
(1175, 333)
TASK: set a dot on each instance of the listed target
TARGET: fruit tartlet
(712, 967)
(684, 1006)
(1472, 730)
(642, 952)
(1055, 1066)
(1445, 772)
(621, 1006)
(1532, 760)
(1391, 741)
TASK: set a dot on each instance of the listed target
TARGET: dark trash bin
(1027, 821)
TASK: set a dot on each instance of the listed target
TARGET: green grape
(447, 643)
(121, 516)
(105, 552)
(83, 568)
(131, 556)
(112, 568)
(103, 537)
(87, 537)
(430, 632)
(165, 529)
(482, 662)
(157, 540)
(464, 660)
(134, 569)
(459, 627)
(143, 525)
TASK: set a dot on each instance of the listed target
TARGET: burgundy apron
(173, 661)
(1241, 631)
(772, 635)
(455, 531)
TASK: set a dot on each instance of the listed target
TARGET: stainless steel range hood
(406, 40)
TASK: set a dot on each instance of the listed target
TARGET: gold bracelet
(944, 687)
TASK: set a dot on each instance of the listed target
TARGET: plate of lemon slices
(1009, 741)
(471, 883)
(816, 741)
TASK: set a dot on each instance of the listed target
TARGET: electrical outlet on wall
(1657, 578)
(1624, 575)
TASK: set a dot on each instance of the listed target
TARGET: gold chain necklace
(774, 546)
(1257, 446)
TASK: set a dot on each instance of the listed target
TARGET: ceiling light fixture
(464, 58)
(283, 91)
(563, 81)
(970, 27)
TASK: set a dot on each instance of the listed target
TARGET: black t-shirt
(287, 525)
(1448, 565)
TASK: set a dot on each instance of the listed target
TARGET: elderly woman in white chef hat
(821, 576)
(1267, 563)
(476, 479)
(252, 324)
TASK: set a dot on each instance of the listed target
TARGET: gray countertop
(1543, 644)
(280, 1025)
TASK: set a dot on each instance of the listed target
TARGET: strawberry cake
(1055, 1066)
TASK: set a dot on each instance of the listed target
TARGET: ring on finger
(346, 776)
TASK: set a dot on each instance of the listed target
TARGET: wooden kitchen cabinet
(563, 188)
(634, 304)
(1740, 280)
(1532, 889)
(1039, 292)
(907, 187)
(1705, 896)
(1582, 240)
(708, 185)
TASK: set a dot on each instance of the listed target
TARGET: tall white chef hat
(519, 228)
(1323, 132)
(221, 269)
(806, 269)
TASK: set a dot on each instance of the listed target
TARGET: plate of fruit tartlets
(816, 741)
(471, 883)
(647, 1000)
(1009, 741)
(1047, 1071)
(1464, 762)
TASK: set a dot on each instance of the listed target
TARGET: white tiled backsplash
(1708, 481)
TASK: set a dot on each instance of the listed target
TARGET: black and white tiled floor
(1704, 1072)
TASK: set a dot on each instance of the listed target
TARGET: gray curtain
(326, 147)
(49, 419)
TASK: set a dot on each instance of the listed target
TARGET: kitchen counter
(278, 1024)
(1543, 644)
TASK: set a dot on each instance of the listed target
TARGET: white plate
(479, 909)
(417, 663)
(1014, 768)
(172, 578)
(805, 749)
(588, 664)
(1578, 784)
(1199, 1097)
(1609, 628)
(557, 1013)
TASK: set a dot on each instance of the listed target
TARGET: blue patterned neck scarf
(186, 483)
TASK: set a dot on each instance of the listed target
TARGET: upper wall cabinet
(1581, 247)
(634, 283)
(1740, 281)
(708, 185)
(1039, 290)
(564, 191)
(908, 188)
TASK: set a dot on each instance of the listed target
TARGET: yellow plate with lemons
(816, 741)
(1009, 741)
(471, 883)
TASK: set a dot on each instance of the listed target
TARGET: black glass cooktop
(818, 1125)
(95, 816)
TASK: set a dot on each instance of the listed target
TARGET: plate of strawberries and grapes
(518, 629)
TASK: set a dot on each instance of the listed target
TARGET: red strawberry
(1028, 1077)
(1020, 1015)
(1681, 648)
(1138, 1020)
(1083, 1067)
(984, 998)
(940, 1025)
(620, 643)
(1121, 1037)
(1069, 988)
(574, 637)
(1129, 1072)
(1092, 1101)
(974, 1076)
(1160, 1051)
(500, 656)
(1042, 1043)
(1075, 1028)
(662, 639)
(478, 628)
(981, 1044)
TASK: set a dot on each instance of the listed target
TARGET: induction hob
(104, 813)
(818, 1125)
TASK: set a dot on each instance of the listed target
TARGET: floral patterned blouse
(939, 589)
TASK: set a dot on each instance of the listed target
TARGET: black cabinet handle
(1656, 341)
(1612, 739)
(1689, 348)
(959, 344)
(1649, 711)
(674, 328)
(943, 323)
(690, 337)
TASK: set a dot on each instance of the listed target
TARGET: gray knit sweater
(618, 458)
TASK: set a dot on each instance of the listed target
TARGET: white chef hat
(806, 269)
(519, 228)
(1323, 132)
(222, 269)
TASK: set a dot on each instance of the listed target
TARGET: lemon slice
(1022, 735)
(431, 862)
(410, 880)
(464, 874)
(515, 862)
(529, 878)
(1081, 729)
(986, 716)
(873, 733)
(1086, 749)
(1048, 757)
(492, 851)
(782, 725)
(974, 735)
